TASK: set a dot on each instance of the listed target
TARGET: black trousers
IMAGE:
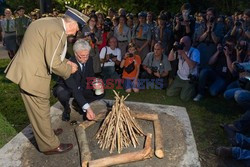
(64, 94)
(243, 124)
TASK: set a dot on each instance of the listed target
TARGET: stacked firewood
(119, 129)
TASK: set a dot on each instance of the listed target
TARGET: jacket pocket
(42, 74)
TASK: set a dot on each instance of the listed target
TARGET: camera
(107, 25)
(178, 46)
(91, 35)
(241, 47)
(238, 22)
(221, 48)
(111, 56)
(245, 83)
(193, 78)
(130, 55)
(238, 68)
(211, 19)
(179, 16)
(154, 69)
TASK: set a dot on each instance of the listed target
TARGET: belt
(10, 32)
(140, 39)
(122, 41)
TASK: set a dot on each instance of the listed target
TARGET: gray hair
(81, 44)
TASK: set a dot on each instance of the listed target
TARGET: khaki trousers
(38, 110)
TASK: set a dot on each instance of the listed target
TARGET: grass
(205, 116)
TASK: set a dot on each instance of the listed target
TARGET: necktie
(120, 29)
(8, 25)
(83, 68)
(140, 32)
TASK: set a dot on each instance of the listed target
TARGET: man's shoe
(198, 97)
(231, 134)
(224, 152)
(66, 115)
(58, 131)
(62, 148)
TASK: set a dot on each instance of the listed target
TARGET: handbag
(130, 67)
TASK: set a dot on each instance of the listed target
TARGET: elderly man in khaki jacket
(42, 53)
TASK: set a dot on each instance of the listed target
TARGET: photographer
(110, 56)
(106, 33)
(241, 29)
(90, 33)
(184, 23)
(189, 58)
(220, 73)
(156, 65)
(207, 36)
(240, 90)
(131, 63)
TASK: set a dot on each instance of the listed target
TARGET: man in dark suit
(76, 85)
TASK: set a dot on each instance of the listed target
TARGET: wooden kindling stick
(159, 146)
(125, 158)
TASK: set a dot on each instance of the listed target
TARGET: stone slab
(180, 147)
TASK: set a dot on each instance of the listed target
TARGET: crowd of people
(190, 56)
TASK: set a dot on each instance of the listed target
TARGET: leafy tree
(225, 6)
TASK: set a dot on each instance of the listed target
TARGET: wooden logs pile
(119, 129)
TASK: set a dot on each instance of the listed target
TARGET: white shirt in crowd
(183, 68)
(108, 50)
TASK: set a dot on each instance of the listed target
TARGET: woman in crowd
(93, 35)
(131, 68)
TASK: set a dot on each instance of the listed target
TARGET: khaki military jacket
(39, 56)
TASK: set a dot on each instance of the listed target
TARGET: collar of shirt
(81, 64)
(64, 26)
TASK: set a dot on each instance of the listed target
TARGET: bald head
(187, 42)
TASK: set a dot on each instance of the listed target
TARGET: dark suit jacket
(77, 82)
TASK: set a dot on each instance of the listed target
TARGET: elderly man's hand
(90, 114)
(74, 66)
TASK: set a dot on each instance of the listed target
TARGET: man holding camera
(189, 58)
(156, 65)
(240, 90)
(220, 73)
(241, 28)
(110, 56)
(207, 36)
(76, 85)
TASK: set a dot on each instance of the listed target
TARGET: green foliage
(225, 6)
(28, 4)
